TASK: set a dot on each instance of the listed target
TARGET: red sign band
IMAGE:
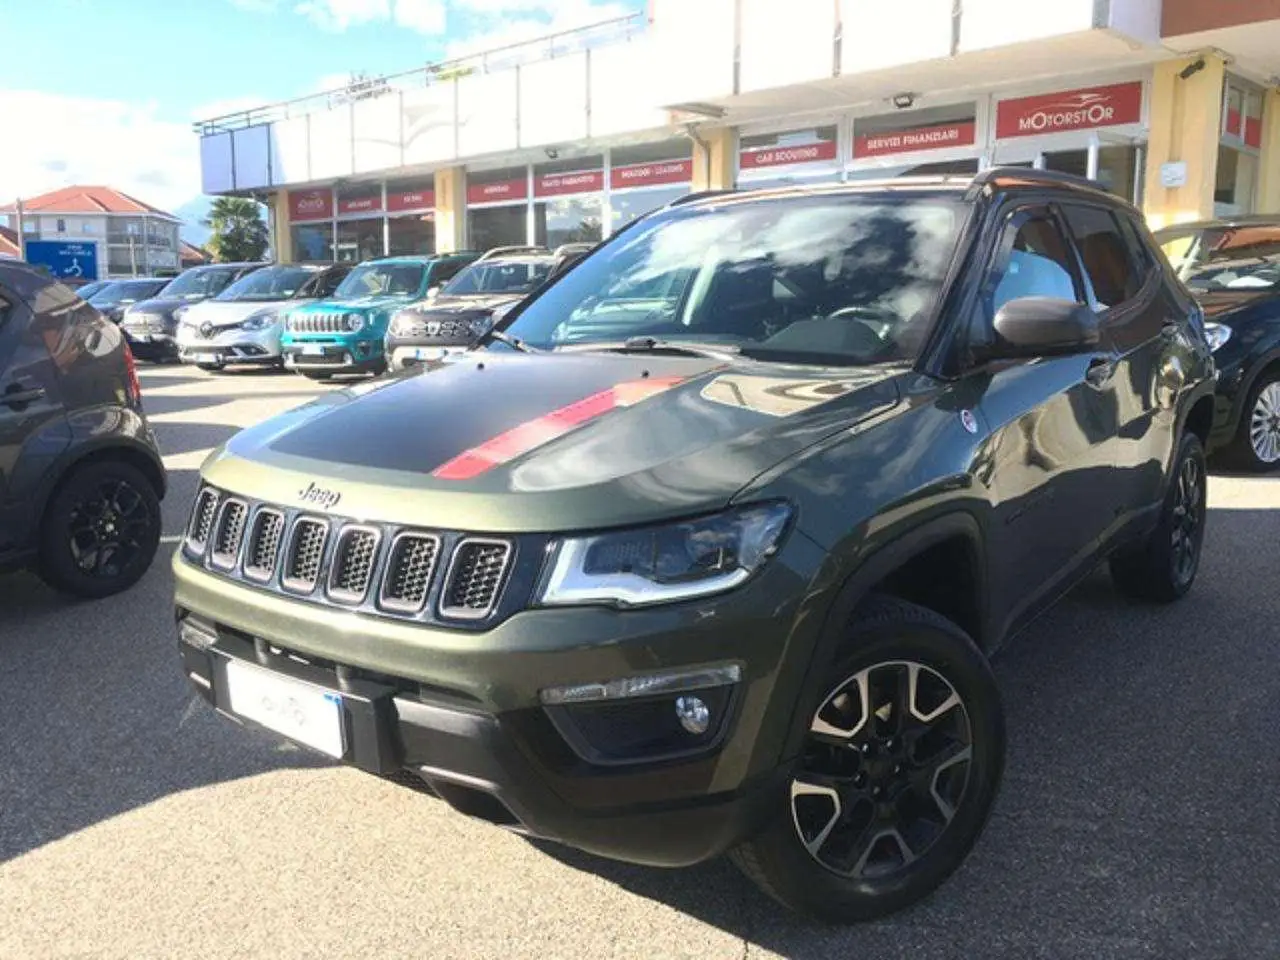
(404, 200)
(310, 204)
(368, 204)
(559, 184)
(784, 156)
(938, 137)
(1070, 110)
(497, 191)
(651, 174)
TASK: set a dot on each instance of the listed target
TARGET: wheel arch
(137, 455)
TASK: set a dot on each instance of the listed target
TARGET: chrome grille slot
(201, 525)
(265, 536)
(409, 570)
(306, 555)
(353, 559)
(228, 533)
(474, 579)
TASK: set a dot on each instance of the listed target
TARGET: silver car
(242, 324)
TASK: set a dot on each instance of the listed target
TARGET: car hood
(165, 304)
(449, 307)
(515, 443)
(359, 303)
(1219, 305)
(228, 313)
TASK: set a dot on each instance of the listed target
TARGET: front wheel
(210, 367)
(899, 769)
(1256, 446)
(317, 375)
(1163, 567)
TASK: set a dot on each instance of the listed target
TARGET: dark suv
(80, 475)
(709, 550)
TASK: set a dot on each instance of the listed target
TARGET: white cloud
(424, 16)
(506, 22)
(81, 140)
(338, 15)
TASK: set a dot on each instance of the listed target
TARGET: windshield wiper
(514, 342)
(680, 348)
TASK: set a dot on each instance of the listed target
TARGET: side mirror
(1043, 327)
(432, 291)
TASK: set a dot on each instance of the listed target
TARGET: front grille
(306, 555)
(319, 323)
(372, 569)
(229, 533)
(202, 514)
(353, 560)
(475, 577)
(264, 544)
(413, 560)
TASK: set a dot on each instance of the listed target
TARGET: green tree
(239, 232)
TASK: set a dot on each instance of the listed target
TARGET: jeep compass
(706, 551)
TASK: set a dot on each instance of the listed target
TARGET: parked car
(152, 324)
(466, 306)
(118, 295)
(1233, 268)
(709, 549)
(345, 333)
(81, 478)
(87, 290)
(242, 324)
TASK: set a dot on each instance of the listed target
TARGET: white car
(242, 324)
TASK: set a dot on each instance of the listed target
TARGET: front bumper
(402, 355)
(339, 355)
(229, 346)
(458, 713)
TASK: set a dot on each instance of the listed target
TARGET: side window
(329, 282)
(446, 271)
(1106, 255)
(1033, 260)
(1139, 250)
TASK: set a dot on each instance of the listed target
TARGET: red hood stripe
(534, 433)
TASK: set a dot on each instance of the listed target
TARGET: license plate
(206, 358)
(307, 714)
(431, 353)
(313, 350)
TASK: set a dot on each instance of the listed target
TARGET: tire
(100, 503)
(1163, 567)
(210, 367)
(1256, 446)
(888, 641)
(316, 375)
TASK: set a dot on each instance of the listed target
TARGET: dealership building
(1174, 104)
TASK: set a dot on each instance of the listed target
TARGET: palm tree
(239, 232)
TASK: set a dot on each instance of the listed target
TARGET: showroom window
(311, 224)
(497, 208)
(411, 227)
(645, 177)
(792, 157)
(359, 224)
(568, 202)
(1238, 149)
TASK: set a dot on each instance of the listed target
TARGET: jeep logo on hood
(318, 495)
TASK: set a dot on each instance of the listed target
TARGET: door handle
(15, 395)
(1100, 370)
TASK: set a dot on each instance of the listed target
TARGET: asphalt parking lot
(1138, 816)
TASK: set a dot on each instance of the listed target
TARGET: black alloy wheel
(898, 765)
(101, 530)
(1187, 531)
(885, 767)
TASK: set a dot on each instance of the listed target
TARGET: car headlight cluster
(408, 323)
(666, 563)
(353, 322)
(258, 321)
(1217, 334)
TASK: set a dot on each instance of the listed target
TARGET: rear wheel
(1163, 567)
(210, 367)
(900, 766)
(317, 375)
(100, 531)
(1257, 443)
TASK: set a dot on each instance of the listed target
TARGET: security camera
(904, 100)
(552, 153)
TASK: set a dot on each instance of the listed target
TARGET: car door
(32, 433)
(1052, 422)
(1143, 327)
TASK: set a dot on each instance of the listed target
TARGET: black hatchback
(81, 477)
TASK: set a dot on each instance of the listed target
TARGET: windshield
(200, 282)
(126, 291)
(498, 276)
(839, 280)
(1245, 257)
(270, 283)
(381, 279)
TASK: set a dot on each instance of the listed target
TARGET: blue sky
(104, 91)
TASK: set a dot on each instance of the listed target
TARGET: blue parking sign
(64, 258)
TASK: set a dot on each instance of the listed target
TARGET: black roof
(23, 278)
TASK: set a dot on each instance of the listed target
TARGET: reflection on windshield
(199, 283)
(126, 291)
(495, 276)
(381, 279)
(1243, 257)
(271, 283)
(846, 279)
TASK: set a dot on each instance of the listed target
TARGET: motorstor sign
(310, 204)
(1070, 110)
(782, 156)
(938, 137)
(651, 174)
(559, 184)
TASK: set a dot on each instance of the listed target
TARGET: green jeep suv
(708, 549)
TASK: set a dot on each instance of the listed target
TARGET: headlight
(180, 313)
(354, 322)
(1217, 334)
(259, 321)
(405, 324)
(667, 563)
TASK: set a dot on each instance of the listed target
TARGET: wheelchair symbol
(75, 270)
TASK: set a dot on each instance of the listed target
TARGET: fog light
(694, 714)
(197, 634)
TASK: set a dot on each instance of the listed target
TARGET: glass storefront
(568, 202)
(312, 241)
(411, 234)
(1239, 149)
(497, 208)
(647, 176)
(359, 240)
(791, 157)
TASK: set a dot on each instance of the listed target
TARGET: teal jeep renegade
(344, 334)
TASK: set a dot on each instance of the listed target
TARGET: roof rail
(995, 176)
(699, 195)
(511, 251)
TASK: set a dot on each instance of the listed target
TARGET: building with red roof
(134, 239)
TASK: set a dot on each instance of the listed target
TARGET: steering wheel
(866, 319)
